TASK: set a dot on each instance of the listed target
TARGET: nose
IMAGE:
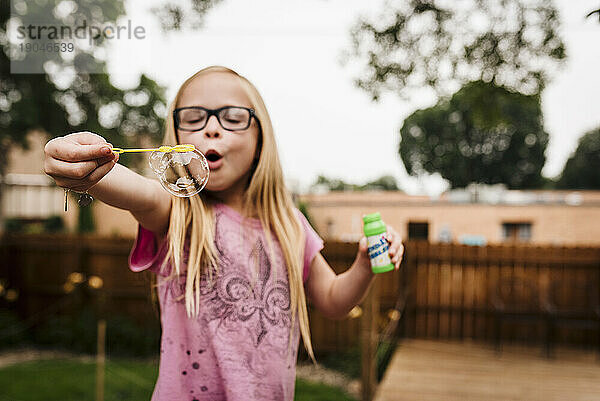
(213, 128)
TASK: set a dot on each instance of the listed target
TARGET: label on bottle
(377, 248)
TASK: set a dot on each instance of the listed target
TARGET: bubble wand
(85, 199)
(165, 149)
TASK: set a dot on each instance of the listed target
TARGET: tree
(484, 134)
(175, 16)
(383, 183)
(333, 184)
(85, 101)
(443, 45)
(582, 170)
(88, 102)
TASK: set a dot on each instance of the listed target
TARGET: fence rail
(451, 290)
(458, 291)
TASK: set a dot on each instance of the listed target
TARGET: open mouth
(212, 156)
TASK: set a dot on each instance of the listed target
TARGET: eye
(235, 115)
(192, 116)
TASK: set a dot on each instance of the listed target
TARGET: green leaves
(582, 170)
(66, 99)
(383, 183)
(174, 16)
(484, 134)
(429, 43)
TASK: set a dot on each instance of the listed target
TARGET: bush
(125, 338)
(13, 331)
(78, 333)
(69, 332)
(52, 224)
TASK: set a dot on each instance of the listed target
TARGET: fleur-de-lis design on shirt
(236, 298)
(241, 292)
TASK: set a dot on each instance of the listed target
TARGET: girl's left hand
(396, 250)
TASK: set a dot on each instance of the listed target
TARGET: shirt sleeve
(312, 245)
(147, 253)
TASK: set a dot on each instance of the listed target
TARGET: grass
(307, 391)
(349, 362)
(74, 380)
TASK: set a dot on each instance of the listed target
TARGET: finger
(88, 182)
(85, 138)
(70, 151)
(100, 172)
(362, 245)
(401, 250)
(393, 232)
(391, 235)
(393, 244)
(399, 257)
(81, 138)
(396, 251)
(74, 170)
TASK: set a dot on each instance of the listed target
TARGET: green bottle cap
(369, 218)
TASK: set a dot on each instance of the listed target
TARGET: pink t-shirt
(237, 348)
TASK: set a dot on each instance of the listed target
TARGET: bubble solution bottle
(377, 245)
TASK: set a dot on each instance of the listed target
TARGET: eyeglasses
(195, 118)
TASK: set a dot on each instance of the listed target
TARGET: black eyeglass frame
(213, 112)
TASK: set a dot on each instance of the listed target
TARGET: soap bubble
(182, 174)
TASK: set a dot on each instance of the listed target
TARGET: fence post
(368, 340)
(100, 359)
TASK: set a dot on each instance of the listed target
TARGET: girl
(233, 263)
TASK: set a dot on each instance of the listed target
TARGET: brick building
(477, 215)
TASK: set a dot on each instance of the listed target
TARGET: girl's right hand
(78, 161)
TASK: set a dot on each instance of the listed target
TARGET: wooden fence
(451, 291)
(39, 268)
(460, 292)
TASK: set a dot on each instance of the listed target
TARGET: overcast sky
(291, 51)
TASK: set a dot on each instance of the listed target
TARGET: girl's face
(230, 154)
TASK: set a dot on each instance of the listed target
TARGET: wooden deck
(430, 370)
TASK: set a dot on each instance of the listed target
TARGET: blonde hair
(266, 194)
